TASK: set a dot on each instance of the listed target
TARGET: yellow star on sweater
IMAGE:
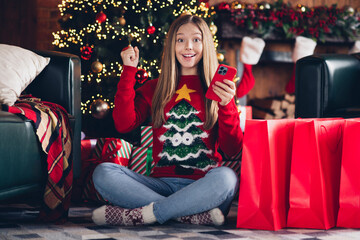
(184, 92)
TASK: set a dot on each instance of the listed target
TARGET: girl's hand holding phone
(130, 56)
(225, 90)
(222, 88)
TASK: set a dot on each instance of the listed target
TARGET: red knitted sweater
(181, 146)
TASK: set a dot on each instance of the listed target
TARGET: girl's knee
(226, 177)
(103, 170)
(100, 170)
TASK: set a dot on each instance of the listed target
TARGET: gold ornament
(236, 5)
(220, 57)
(122, 21)
(99, 108)
(213, 28)
(349, 10)
(96, 66)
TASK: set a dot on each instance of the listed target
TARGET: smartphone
(223, 72)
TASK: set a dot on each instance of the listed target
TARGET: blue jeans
(172, 197)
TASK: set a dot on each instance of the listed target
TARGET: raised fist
(130, 56)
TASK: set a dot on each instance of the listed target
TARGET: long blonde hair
(170, 71)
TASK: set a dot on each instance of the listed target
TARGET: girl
(186, 183)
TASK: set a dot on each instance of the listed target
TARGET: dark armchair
(328, 85)
(22, 169)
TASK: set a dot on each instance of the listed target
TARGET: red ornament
(86, 52)
(141, 76)
(101, 17)
(224, 6)
(150, 29)
(206, 3)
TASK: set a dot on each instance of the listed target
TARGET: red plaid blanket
(53, 131)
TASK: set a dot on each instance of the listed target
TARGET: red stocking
(290, 86)
(247, 81)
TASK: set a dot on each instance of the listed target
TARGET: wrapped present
(113, 150)
(141, 160)
(141, 157)
(146, 137)
(87, 148)
(98, 147)
(89, 192)
(94, 152)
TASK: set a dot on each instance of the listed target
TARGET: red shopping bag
(265, 174)
(349, 196)
(315, 173)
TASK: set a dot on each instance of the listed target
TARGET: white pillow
(18, 68)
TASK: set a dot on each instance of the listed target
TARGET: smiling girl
(187, 183)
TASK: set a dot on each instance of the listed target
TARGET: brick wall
(47, 22)
(29, 23)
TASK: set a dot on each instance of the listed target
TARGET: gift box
(146, 137)
(141, 157)
(113, 150)
(141, 160)
(93, 153)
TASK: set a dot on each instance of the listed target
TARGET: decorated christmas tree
(183, 140)
(97, 31)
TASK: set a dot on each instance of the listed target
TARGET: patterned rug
(18, 222)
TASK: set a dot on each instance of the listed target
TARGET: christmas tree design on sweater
(183, 140)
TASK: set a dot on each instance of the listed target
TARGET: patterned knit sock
(211, 217)
(113, 215)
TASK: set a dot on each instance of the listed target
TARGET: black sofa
(22, 169)
(328, 85)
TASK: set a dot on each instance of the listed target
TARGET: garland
(281, 21)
